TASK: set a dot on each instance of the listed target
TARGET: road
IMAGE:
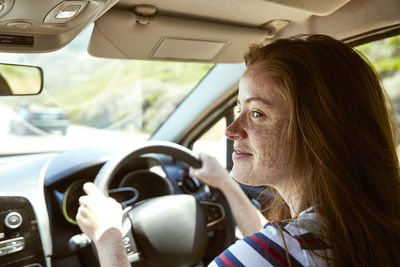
(76, 137)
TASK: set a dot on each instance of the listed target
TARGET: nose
(235, 130)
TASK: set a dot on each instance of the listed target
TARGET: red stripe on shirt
(270, 250)
(226, 261)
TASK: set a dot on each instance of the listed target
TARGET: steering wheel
(169, 230)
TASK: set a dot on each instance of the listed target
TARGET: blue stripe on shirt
(262, 251)
(230, 257)
(219, 262)
(279, 249)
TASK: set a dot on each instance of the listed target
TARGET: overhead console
(20, 243)
(42, 26)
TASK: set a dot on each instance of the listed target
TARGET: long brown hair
(342, 145)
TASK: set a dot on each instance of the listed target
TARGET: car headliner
(232, 23)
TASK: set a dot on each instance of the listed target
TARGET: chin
(249, 176)
(245, 177)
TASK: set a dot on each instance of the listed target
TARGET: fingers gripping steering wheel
(170, 230)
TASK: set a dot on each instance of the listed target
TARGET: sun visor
(117, 35)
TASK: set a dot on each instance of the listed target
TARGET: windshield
(88, 100)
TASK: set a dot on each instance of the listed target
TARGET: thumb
(192, 172)
(92, 189)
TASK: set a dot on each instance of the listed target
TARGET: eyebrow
(256, 98)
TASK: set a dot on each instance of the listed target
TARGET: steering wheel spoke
(214, 213)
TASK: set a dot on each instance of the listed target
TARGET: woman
(313, 125)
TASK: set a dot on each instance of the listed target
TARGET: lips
(241, 154)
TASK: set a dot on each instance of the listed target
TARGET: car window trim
(374, 35)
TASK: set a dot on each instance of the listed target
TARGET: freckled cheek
(269, 145)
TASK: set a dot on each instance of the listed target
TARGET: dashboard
(39, 200)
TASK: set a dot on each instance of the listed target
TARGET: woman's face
(259, 132)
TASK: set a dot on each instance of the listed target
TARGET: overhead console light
(66, 14)
(5, 7)
(65, 11)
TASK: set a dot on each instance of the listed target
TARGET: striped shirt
(267, 247)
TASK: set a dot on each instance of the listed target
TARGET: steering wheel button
(126, 240)
(3, 244)
(213, 212)
(6, 251)
(15, 249)
(128, 250)
(13, 220)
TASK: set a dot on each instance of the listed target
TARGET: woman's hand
(211, 172)
(98, 213)
(248, 218)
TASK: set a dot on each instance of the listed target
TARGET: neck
(292, 197)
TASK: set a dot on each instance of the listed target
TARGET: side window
(213, 142)
(385, 56)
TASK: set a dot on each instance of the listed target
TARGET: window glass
(385, 57)
(213, 142)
